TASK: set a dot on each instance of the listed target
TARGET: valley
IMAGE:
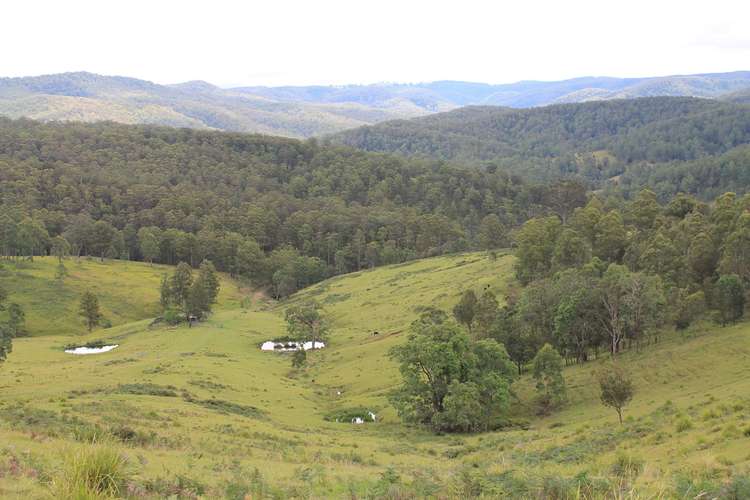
(203, 411)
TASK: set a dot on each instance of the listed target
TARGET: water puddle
(91, 350)
(288, 346)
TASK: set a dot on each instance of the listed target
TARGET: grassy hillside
(127, 292)
(204, 410)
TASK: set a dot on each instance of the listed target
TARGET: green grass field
(203, 410)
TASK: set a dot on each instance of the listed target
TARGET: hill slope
(203, 411)
(127, 292)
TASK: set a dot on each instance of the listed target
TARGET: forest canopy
(280, 212)
(670, 144)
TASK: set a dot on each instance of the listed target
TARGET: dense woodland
(610, 277)
(276, 211)
(672, 144)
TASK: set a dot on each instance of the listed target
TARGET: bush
(173, 317)
(95, 471)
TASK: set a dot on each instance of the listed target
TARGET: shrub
(173, 317)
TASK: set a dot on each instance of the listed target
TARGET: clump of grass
(208, 385)
(737, 489)
(730, 431)
(178, 487)
(684, 424)
(710, 414)
(627, 465)
(96, 471)
(147, 389)
(119, 361)
(252, 485)
(222, 406)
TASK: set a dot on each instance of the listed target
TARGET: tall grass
(95, 471)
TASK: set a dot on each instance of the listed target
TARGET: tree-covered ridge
(486, 132)
(279, 211)
(596, 141)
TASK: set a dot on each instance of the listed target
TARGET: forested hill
(90, 97)
(278, 211)
(596, 141)
(307, 111)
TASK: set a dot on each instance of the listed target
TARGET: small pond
(91, 350)
(288, 346)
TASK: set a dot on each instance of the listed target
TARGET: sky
(332, 42)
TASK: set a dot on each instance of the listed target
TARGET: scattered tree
(730, 298)
(299, 358)
(616, 388)
(485, 314)
(449, 382)
(6, 334)
(6, 342)
(16, 324)
(203, 292)
(550, 383)
(466, 309)
(305, 322)
(89, 309)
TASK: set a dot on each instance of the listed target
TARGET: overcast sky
(282, 42)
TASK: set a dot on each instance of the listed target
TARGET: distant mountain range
(318, 110)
